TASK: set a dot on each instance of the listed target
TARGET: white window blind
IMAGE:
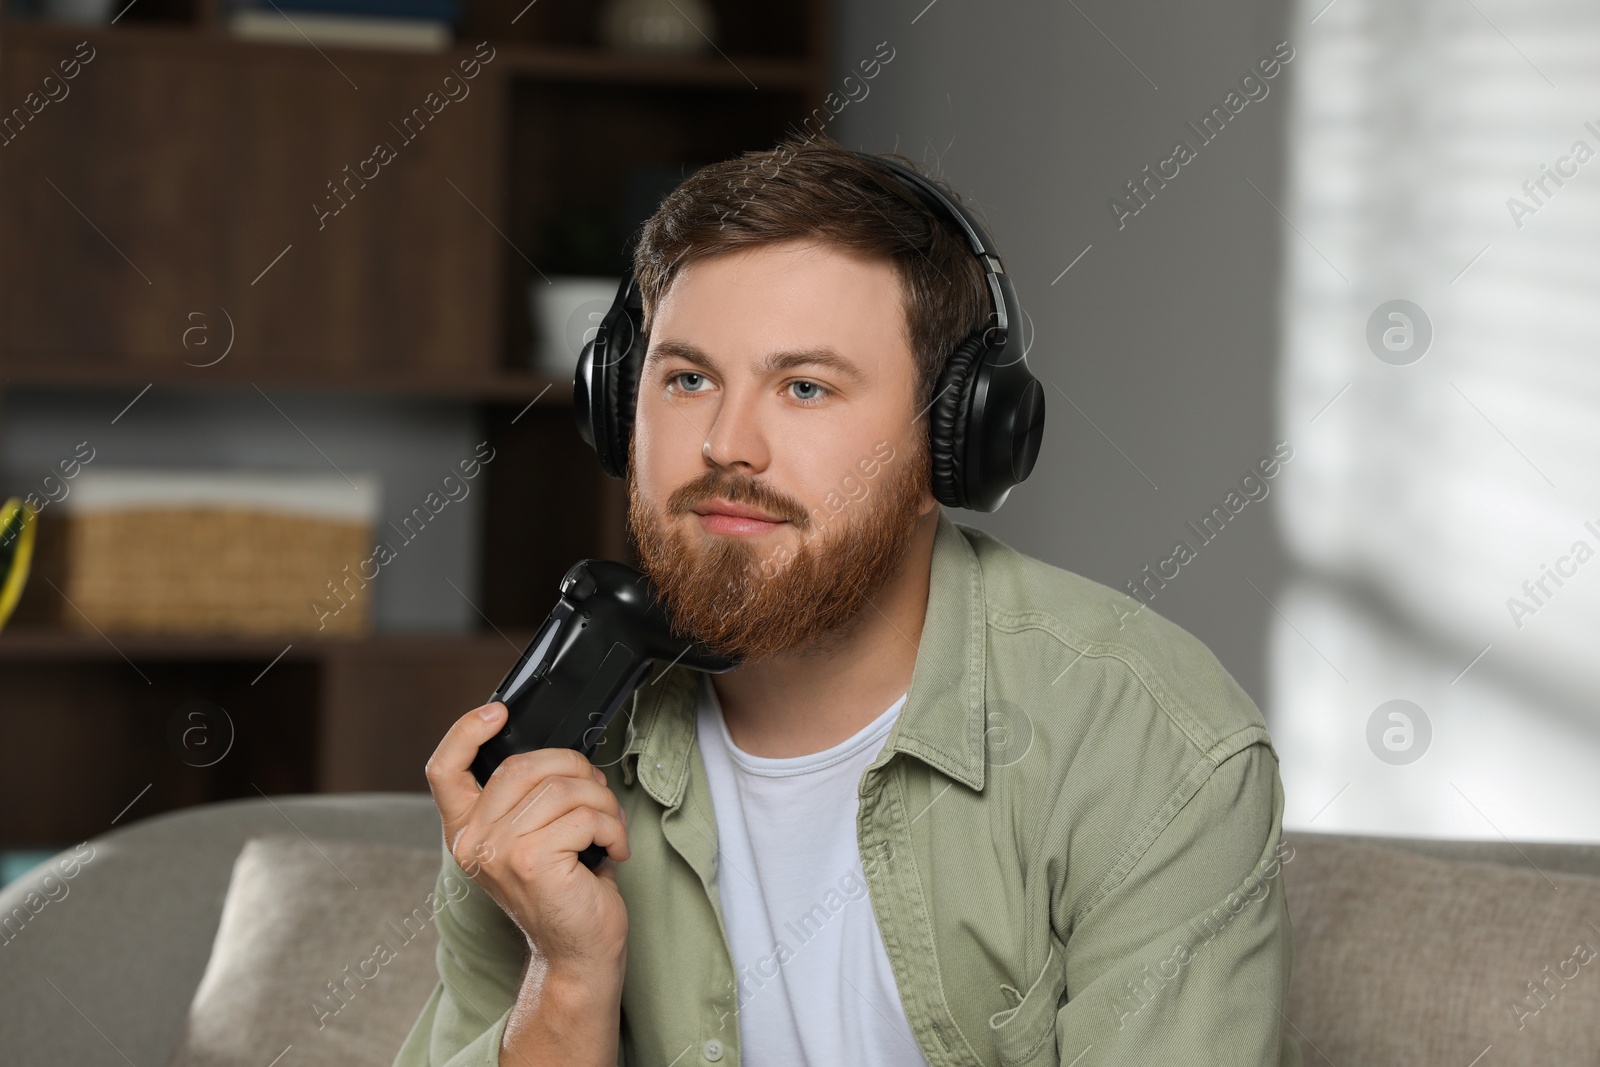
(1427, 499)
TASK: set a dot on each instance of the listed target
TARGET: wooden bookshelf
(197, 158)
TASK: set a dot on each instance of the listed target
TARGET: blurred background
(291, 294)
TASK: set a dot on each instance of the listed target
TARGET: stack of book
(421, 25)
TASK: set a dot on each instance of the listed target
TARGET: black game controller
(594, 650)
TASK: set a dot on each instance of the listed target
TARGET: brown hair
(812, 187)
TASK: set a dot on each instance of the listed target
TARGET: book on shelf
(17, 861)
(341, 30)
(437, 10)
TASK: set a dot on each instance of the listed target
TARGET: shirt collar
(942, 722)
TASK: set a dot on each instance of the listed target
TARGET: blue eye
(818, 392)
(815, 399)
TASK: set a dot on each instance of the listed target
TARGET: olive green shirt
(1071, 840)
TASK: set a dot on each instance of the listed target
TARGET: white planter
(566, 313)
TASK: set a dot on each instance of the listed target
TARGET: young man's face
(735, 407)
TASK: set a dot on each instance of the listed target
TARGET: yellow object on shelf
(16, 552)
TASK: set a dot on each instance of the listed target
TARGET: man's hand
(519, 837)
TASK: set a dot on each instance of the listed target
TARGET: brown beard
(752, 599)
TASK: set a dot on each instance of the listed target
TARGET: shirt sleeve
(1186, 956)
(480, 957)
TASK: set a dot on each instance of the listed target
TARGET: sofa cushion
(1406, 959)
(324, 946)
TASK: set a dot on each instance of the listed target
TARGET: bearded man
(954, 806)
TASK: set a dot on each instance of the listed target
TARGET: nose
(736, 439)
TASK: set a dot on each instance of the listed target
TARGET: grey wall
(1163, 334)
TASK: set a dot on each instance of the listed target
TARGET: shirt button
(713, 1050)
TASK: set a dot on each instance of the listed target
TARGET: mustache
(739, 491)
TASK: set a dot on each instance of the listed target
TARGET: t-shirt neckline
(784, 766)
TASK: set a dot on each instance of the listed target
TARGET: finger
(544, 802)
(449, 769)
(582, 827)
(523, 775)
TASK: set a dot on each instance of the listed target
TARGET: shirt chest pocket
(1025, 1034)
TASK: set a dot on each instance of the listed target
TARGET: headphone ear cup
(622, 393)
(606, 385)
(947, 422)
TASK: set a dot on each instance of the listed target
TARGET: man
(955, 806)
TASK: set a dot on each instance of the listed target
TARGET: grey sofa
(130, 942)
(107, 975)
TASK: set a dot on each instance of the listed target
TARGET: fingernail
(489, 712)
(599, 777)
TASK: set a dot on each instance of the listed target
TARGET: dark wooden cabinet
(201, 174)
(187, 172)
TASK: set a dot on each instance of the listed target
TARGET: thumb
(449, 770)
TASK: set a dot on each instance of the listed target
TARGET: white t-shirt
(815, 987)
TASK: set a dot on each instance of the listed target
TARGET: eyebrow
(776, 361)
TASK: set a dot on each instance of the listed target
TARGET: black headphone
(987, 414)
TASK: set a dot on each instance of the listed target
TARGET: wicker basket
(210, 553)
